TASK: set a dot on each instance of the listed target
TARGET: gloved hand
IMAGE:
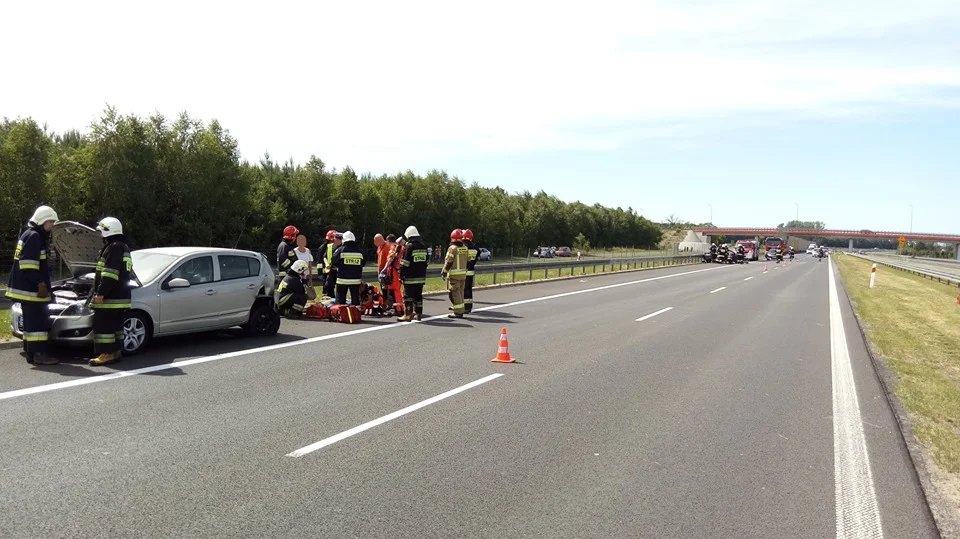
(42, 291)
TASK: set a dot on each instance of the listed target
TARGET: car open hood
(77, 245)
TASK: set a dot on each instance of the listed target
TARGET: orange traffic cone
(503, 353)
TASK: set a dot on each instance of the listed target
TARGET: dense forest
(183, 182)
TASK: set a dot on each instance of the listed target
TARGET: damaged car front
(71, 319)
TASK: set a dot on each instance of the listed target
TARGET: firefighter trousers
(455, 287)
(413, 298)
(330, 284)
(36, 328)
(468, 294)
(354, 294)
(107, 330)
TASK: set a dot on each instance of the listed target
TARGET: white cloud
(384, 85)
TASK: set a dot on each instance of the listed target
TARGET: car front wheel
(264, 321)
(136, 333)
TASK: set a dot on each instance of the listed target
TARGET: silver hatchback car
(175, 291)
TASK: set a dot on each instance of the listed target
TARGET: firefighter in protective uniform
(413, 274)
(112, 289)
(471, 265)
(455, 271)
(287, 250)
(29, 284)
(291, 294)
(327, 270)
(349, 261)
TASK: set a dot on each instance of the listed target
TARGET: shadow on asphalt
(73, 361)
(495, 314)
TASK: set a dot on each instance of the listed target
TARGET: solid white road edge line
(748, 278)
(249, 351)
(389, 417)
(858, 514)
(717, 290)
(651, 315)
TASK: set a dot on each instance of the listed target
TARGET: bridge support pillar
(851, 244)
(956, 250)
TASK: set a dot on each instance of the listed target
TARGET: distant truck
(771, 244)
(751, 249)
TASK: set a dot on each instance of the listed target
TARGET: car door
(237, 288)
(185, 310)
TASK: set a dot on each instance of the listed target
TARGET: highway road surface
(695, 401)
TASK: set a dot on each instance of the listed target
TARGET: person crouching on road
(455, 271)
(286, 251)
(413, 274)
(291, 293)
(112, 286)
(471, 272)
(348, 261)
(30, 285)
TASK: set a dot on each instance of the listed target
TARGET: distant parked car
(544, 252)
(564, 251)
(174, 291)
(484, 255)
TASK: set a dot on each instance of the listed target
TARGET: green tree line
(183, 182)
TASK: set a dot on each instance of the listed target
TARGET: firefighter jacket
(325, 256)
(291, 293)
(348, 260)
(455, 263)
(472, 253)
(286, 256)
(112, 279)
(30, 267)
(413, 267)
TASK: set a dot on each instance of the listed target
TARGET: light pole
(911, 218)
(711, 213)
(798, 213)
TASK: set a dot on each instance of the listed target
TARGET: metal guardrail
(534, 268)
(945, 278)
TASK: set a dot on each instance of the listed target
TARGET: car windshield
(147, 266)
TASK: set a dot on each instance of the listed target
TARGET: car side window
(196, 271)
(237, 267)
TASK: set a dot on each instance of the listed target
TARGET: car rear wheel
(264, 321)
(136, 333)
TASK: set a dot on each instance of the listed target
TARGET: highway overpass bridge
(841, 234)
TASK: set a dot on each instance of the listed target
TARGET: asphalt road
(689, 423)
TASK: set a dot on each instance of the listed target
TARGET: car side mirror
(177, 283)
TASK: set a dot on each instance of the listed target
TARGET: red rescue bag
(347, 314)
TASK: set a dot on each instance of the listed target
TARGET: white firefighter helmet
(348, 236)
(300, 267)
(110, 226)
(43, 214)
(411, 232)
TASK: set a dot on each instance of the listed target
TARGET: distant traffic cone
(764, 268)
(503, 353)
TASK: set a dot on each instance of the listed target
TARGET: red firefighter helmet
(456, 235)
(331, 234)
(468, 234)
(290, 233)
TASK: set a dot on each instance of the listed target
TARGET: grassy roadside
(914, 324)
(5, 325)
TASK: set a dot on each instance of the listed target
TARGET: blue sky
(848, 109)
